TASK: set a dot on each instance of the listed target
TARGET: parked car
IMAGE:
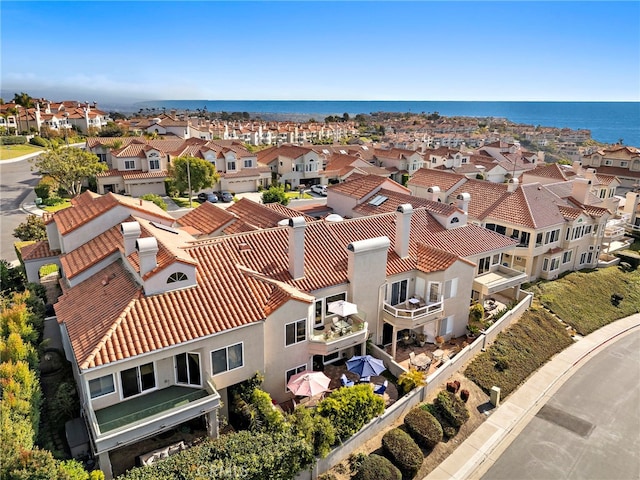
(202, 197)
(225, 196)
(319, 189)
(212, 197)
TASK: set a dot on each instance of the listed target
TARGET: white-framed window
(322, 307)
(566, 256)
(545, 265)
(231, 165)
(227, 358)
(154, 164)
(608, 162)
(555, 263)
(583, 258)
(290, 373)
(552, 236)
(434, 289)
(101, 386)
(451, 288)
(137, 380)
(188, 368)
(295, 332)
(495, 260)
(248, 163)
(177, 277)
(624, 164)
(484, 264)
(129, 164)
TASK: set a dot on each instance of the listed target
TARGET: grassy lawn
(183, 202)
(296, 195)
(519, 351)
(583, 299)
(55, 208)
(7, 152)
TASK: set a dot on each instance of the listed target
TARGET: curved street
(16, 187)
(589, 429)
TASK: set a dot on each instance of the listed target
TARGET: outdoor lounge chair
(345, 381)
(380, 389)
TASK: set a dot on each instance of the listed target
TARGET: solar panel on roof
(164, 227)
(378, 200)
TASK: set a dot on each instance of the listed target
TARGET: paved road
(16, 186)
(590, 428)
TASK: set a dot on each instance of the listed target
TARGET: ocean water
(608, 121)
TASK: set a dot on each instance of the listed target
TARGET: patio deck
(449, 348)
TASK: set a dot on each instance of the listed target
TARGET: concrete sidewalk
(483, 447)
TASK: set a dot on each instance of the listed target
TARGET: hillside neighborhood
(411, 223)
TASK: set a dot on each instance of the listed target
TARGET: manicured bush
(423, 427)
(13, 140)
(409, 380)
(52, 201)
(156, 199)
(448, 430)
(39, 142)
(377, 467)
(349, 409)
(402, 451)
(43, 189)
(453, 408)
(464, 395)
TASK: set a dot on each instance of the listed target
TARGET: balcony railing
(333, 338)
(404, 311)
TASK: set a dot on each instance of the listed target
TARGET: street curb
(471, 462)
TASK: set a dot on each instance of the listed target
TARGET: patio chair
(412, 357)
(364, 379)
(345, 381)
(380, 389)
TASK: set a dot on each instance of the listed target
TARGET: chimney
(130, 233)
(367, 272)
(580, 190)
(147, 252)
(433, 194)
(462, 201)
(403, 229)
(590, 174)
(296, 247)
(512, 185)
(576, 166)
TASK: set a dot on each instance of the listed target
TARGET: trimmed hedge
(452, 408)
(402, 451)
(448, 430)
(377, 467)
(423, 427)
(13, 140)
(39, 142)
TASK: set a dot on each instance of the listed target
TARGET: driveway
(590, 427)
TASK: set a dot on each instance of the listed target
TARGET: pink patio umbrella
(308, 384)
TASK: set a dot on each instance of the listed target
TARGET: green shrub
(13, 140)
(409, 380)
(448, 430)
(453, 408)
(402, 451)
(349, 409)
(43, 189)
(156, 199)
(39, 141)
(423, 427)
(377, 467)
(315, 429)
(51, 201)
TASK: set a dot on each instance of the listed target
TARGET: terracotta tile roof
(257, 215)
(95, 250)
(287, 212)
(139, 175)
(432, 259)
(469, 240)
(618, 172)
(40, 249)
(606, 179)
(360, 187)
(109, 142)
(395, 199)
(427, 177)
(485, 196)
(551, 170)
(114, 172)
(569, 213)
(289, 151)
(246, 172)
(91, 206)
(531, 205)
(207, 218)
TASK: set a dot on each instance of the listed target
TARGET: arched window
(177, 277)
(455, 220)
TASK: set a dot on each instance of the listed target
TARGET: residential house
(158, 324)
(620, 161)
(398, 162)
(559, 227)
(293, 165)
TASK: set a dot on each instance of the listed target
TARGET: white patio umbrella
(342, 308)
(308, 384)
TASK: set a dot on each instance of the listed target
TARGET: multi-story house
(158, 325)
(559, 227)
(620, 161)
(293, 164)
(399, 162)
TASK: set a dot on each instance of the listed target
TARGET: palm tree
(23, 99)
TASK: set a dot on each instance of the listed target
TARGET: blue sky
(474, 50)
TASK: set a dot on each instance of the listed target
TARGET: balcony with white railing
(412, 313)
(338, 335)
(132, 420)
(499, 279)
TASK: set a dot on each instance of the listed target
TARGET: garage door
(240, 186)
(137, 190)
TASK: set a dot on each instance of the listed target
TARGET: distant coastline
(607, 121)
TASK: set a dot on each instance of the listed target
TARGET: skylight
(164, 227)
(378, 200)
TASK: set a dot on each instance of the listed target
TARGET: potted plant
(439, 340)
(473, 331)
(421, 338)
